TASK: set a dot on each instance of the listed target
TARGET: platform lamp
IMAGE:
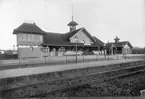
(76, 39)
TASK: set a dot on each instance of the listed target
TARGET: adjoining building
(34, 42)
(117, 47)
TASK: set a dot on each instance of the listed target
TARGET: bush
(8, 56)
(88, 53)
(138, 51)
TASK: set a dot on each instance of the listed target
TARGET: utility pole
(76, 39)
(76, 50)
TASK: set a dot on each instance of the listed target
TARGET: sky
(104, 19)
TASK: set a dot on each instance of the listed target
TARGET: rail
(70, 82)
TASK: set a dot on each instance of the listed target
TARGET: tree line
(137, 50)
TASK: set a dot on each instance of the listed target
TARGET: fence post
(66, 59)
(117, 57)
(45, 59)
(108, 56)
(96, 57)
(19, 62)
(105, 56)
(4, 55)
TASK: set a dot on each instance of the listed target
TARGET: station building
(32, 41)
(119, 47)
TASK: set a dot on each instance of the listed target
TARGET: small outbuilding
(118, 47)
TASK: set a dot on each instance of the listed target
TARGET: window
(38, 38)
(45, 49)
(22, 37)
(31, 37)
(19, 37)
(41, 38)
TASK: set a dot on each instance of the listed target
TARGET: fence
(55, 60)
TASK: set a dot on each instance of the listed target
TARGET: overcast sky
(104, 19)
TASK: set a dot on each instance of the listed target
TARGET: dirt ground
(123, 86)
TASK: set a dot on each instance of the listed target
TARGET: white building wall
(127, 49)
(82, 38)
(30, 52)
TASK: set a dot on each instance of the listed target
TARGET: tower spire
(72, 12)
(117, 39)
(72, 24)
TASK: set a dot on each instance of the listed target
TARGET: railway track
(35, 90)
(91, 82)
(131, 71)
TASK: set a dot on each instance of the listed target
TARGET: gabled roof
(88, 34)
(63, 39)
(28, 28)
(108, 45)
(55, 39)
(126, 42)
(119, 44)
(70, 34)
(72, 23)
(98, 42)
(60, 39)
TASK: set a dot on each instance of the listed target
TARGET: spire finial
(116, 39)
(72, 12)
(72, 24)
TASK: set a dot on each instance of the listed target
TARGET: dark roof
(70, 34)
(108, 45)
(72, 23)
(126, 42)
(98, 42)
(59, 39)
(28, 28)
(63, 39)
(55, 38)
(119, 44)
